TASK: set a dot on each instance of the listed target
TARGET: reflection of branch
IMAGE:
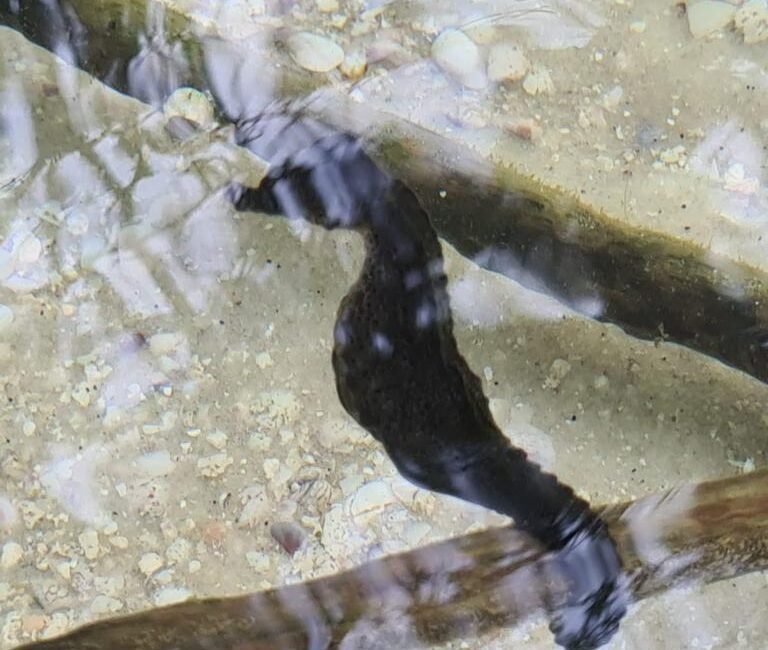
(460, 587)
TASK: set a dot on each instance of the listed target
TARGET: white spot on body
(425, 315)
(382, 344)
(413, 279)
(341, 334)
(435, 268)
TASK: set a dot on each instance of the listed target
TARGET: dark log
(463, 586)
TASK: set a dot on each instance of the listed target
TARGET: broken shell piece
(89, 543)
(190, 104)
(524, 128)
(314, 52)
(752, 21)
(372, 497)
(460, 58)
(11, 555)
(149, 563)
(538, 82)
(506, 62)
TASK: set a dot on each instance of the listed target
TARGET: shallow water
(171, 423)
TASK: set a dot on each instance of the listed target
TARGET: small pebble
(523, 128)
(179, 550)
(460, 58)
(354, 65)
(216, 465)
(557, 372)
(190, 104)
(708, 16)
(149, 563)
(89, 542)
(611, 99)
(155, 463)
(105, 605)
(289, 535)
(263, 360)
(29, 250)
(109, 527)
(271, 467)
(33, 623)
(64, 569)
(11, 555)
(217, 439)
(674, 156)
(165, 342)
(31, 514)
(314, 52)
(81, 394)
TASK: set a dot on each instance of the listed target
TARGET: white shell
(458, 56)
(314, 52)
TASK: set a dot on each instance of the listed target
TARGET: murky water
(172, 426)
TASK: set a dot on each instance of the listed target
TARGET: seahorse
(399, 372)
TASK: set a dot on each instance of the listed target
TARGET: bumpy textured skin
(399, 372)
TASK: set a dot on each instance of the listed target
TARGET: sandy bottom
(169, 423)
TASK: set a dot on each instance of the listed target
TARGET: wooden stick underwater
(460, 587)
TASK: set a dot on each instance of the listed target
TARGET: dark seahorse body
(398, 369)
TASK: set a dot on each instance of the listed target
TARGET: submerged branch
(546, 236)
(463, 586)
